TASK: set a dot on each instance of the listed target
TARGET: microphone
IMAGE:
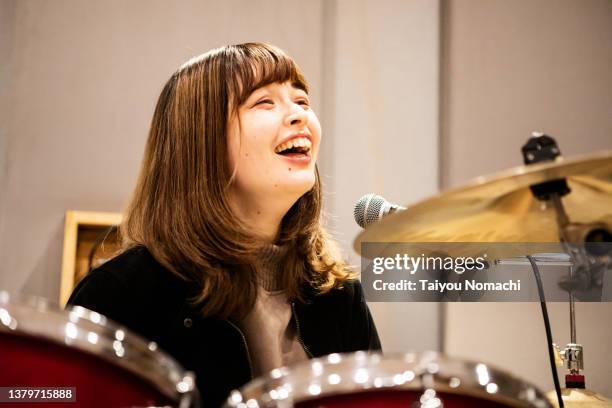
(371, 208)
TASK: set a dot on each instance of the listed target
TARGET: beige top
(269, 328)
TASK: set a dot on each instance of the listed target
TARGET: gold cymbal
(501, 207)
(576, 398)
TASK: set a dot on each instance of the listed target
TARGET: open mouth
(300, 146)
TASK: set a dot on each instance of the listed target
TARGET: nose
(297, 116)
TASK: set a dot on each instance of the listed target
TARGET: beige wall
(7, 9)
(510, 67)
(384, 134)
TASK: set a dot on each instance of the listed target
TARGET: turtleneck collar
(272, 267)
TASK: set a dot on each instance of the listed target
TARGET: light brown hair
(180, 209)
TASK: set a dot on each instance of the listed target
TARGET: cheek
(248, 158)
(233, 149)
(315, 131)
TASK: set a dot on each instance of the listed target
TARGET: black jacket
(134, 290)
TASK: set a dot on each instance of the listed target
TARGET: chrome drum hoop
(360, 372)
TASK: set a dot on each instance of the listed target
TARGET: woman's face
(273, 144)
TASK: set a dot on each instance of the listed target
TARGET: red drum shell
(109, 366)
(32, 362)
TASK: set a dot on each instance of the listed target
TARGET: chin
(299, 187)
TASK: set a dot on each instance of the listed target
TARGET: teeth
(297, 142)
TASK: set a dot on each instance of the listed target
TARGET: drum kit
(550, 199)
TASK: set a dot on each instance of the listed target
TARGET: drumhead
(91, 332)
(360, 372)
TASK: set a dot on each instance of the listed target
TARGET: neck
(264, 221)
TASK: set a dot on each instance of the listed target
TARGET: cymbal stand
(571, 356)
(542, 148)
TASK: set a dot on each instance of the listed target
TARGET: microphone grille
(373, 210)
(367, 209)
(359, 212)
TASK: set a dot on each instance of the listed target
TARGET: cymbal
(501, 207)
(576, 398)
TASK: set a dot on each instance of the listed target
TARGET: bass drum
(105, 364)
(412, 380)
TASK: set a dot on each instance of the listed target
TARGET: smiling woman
(226, 264)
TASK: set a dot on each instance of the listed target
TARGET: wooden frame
(76, 223)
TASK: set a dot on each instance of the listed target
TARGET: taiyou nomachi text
(437, 286)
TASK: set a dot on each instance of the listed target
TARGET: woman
(227, 266)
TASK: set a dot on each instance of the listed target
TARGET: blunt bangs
(252, 66)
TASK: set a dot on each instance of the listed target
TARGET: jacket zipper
(246, 347)
(298, 332)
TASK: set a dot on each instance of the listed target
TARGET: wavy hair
(180, 209)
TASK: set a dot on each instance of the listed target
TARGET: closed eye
(264, 101)
(303, 102)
